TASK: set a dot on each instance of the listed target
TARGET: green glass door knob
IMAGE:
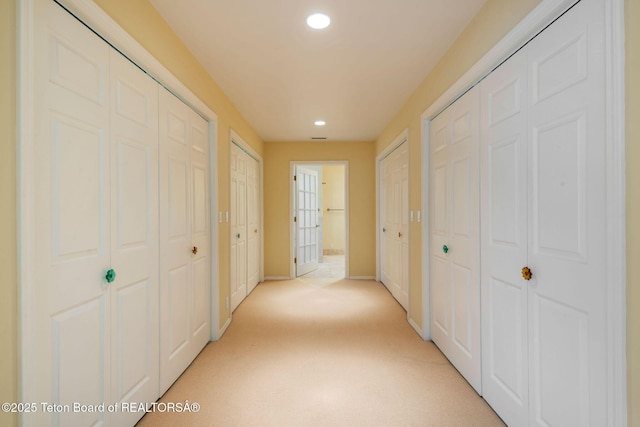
(445, 249)
(111, 276)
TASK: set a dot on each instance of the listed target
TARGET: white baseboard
(277, 278)
(222, 330)
(361, 278)
(415, 326)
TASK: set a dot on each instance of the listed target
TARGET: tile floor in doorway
(331, 267)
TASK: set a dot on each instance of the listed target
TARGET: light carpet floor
(314, 352)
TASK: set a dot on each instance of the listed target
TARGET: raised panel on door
(135, 234)
(567, 223)
(503, 130)
(69, 339)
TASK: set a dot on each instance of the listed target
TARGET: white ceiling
(282, 75)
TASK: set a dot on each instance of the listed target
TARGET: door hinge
(295, 177)
(295, 219)
(295, 260)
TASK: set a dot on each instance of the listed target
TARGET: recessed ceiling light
(318, 21)
(319, 123)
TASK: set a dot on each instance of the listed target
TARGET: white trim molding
(543, 15)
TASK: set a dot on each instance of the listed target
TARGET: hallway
(320, 352)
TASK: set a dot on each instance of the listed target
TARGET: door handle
(384, 230)
(445, 249)
(526, 273)
(399, 234)
(255, 231)
(194, 250)
(238, 235)
(111, 275)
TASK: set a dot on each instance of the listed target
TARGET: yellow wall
(632, 27)
(361, 204)
(8, 266)
(333, 237)
(494, 21)
(140, 19)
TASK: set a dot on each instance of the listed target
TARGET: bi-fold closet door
(455, 233)
(244, 225)
(185, 259)
(544, 245)
(542, 229)
(394, 248)
(93, 314)
(104, 226)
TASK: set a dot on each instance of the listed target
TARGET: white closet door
(200, 296)
(253, 224)
(184, 237)
(395, 220)
(238, 226)
(567, 224)
(307, 220)
(70, 305)
(455, 222)
(134, 237)
(503, 124)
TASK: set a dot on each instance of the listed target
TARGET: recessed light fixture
(318, 21)
(319, 123)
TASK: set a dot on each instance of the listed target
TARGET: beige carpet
(310, 352)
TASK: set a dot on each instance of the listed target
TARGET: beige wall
(8, 261)
(632, 51)
(142, 21)
(333, 237)
(277, 207)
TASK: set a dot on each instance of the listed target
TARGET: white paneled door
(394, 209)
(184, 236)
(544, 194)
(454, 225)
(245, 224)
(93, 315)
(307, 225)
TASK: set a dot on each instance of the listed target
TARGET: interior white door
(184, 236)
(454, 206)
(395, 219)
(253, 224)
(544, 198)
(567, 221)
(238, 226)
(71, 304)
(505, 356)
(135, 352)
(306, 220)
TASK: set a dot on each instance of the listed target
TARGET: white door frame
(546, 12)
(94, 17)
(234, 138)
(292, 204)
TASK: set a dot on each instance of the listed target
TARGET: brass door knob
(255, 231)
(399, 234)
(526, 273)
(194, 250)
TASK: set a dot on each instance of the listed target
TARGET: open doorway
(319, 200)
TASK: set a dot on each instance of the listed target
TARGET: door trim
(546, 12)
(292, 225)
(96, 19)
